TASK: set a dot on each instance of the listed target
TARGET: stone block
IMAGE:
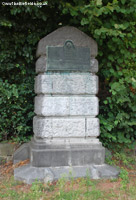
(66, 155)
(41, 64)
(22, 153)
(92, 127)
(7, 149)
(81, 157)
(64, 143)
(66, 106)
(51, 106)
(65, 127)
(107, 171)
(58, 127)
(66, 83)
(29, 174)
(59, 36)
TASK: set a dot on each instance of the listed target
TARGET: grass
(122, 188)
(79, 189)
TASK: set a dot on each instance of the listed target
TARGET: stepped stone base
(61, 152)
(52, 159)
(29, 174)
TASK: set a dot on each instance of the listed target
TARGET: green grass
(63, 189)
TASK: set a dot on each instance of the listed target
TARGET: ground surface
(123, 188)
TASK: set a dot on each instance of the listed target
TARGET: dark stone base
(29, 174)
(22, 153)
(49, 160)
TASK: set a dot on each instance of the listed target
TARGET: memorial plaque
(68, 58)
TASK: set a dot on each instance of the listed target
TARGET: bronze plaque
(68, 58)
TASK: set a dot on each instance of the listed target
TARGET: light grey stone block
(70, 83)
(66, 106)
(59, 127)
(65, 127)
(44, 84)
(59, 36)
(51, 106)
(92, 127)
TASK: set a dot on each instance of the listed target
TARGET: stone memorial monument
(66, 126)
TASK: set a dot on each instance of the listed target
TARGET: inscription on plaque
(68, 58)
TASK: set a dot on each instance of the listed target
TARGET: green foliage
(111, 23)
(125, 178)
(123, 158)
(16, 109)
(21, 29)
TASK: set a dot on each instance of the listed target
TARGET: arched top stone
(59, 36)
